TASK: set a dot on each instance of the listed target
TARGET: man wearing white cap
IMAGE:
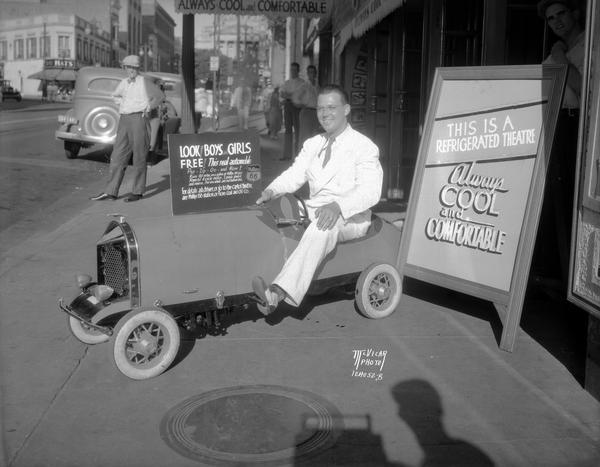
(136, 96)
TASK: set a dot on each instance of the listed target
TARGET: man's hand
(265, 196)
(558, 52)
(327, 216)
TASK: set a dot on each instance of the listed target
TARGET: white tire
(86, 334)
(146, 342)
(378, 290)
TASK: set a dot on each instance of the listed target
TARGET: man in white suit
(345, 177)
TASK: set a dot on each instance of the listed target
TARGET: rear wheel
(378, 290)
(72, 149)
(146, 342)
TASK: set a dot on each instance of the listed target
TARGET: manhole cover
(262, 425)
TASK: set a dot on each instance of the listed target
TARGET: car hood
(192, 257)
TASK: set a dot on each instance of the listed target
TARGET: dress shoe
(268, 298)
(132, 198)
(102, 197)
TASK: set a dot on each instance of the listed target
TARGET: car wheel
(72, 149)
(84, 333)
(378, 290)
(146, 342)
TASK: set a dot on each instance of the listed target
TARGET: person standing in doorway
(306, 99)
(291, 113)
(562, 17)
(136, 96)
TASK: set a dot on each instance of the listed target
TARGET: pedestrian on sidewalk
(345, 177)
(291, 113)
(266, 102)
(306, 99)
(136, 96)
(275, 116)
(242, 100)
(44, 85)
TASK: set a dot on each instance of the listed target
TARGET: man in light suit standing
(345, 178)
(136, 97)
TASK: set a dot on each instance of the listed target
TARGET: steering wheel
(291, 211)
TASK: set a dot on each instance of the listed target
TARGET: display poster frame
(214, 171)
(478, 185)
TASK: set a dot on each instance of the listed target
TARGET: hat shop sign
(285, 8)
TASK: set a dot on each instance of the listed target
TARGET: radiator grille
(113, 267)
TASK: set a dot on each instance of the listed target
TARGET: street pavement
(439, 390)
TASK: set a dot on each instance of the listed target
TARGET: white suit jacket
(353, 176)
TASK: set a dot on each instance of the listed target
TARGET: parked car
(7, 91)
(158, 274)
(94, 117)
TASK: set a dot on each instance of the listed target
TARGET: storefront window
(18, 49)
(3, 50)
(31, 47)
(64, 49)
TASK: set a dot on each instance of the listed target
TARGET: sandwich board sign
(478, 185)
(214, 171)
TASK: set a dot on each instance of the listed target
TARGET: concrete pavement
(442, 393)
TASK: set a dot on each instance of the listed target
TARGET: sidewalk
(286, 390)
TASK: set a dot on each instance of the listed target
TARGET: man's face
(560, 19)
(312, 74)
(132, 71)
(294, 70)
(332, 112)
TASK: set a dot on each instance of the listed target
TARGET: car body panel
(7, 91)
(94, 117)
(191, 258)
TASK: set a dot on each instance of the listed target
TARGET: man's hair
(295, 64)
(311, 67)
(337, 89)
(543, 5)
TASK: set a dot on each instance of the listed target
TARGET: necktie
(328, 151)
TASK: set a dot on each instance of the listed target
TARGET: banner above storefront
(371, 13)
(283, 8)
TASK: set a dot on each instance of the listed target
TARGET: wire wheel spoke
(145, 343)
(380, 290)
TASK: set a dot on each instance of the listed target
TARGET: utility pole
(237, 44)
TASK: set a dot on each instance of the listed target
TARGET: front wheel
(146, 342)
(378, 290)
(72, 149)
(86, 334)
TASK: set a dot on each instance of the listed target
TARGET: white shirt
(575, 55)
(306, 96)
(353, 177)
(290, 87)
(138, 95)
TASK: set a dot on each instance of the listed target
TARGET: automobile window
(107, 85)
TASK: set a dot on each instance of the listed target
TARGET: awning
(55, 74)
(371, 13)
(272, 8)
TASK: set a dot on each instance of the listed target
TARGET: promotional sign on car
(478, 187)
(213, 171)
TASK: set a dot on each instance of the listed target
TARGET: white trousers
(298, 271)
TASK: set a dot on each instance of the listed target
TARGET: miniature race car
(156, 275)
